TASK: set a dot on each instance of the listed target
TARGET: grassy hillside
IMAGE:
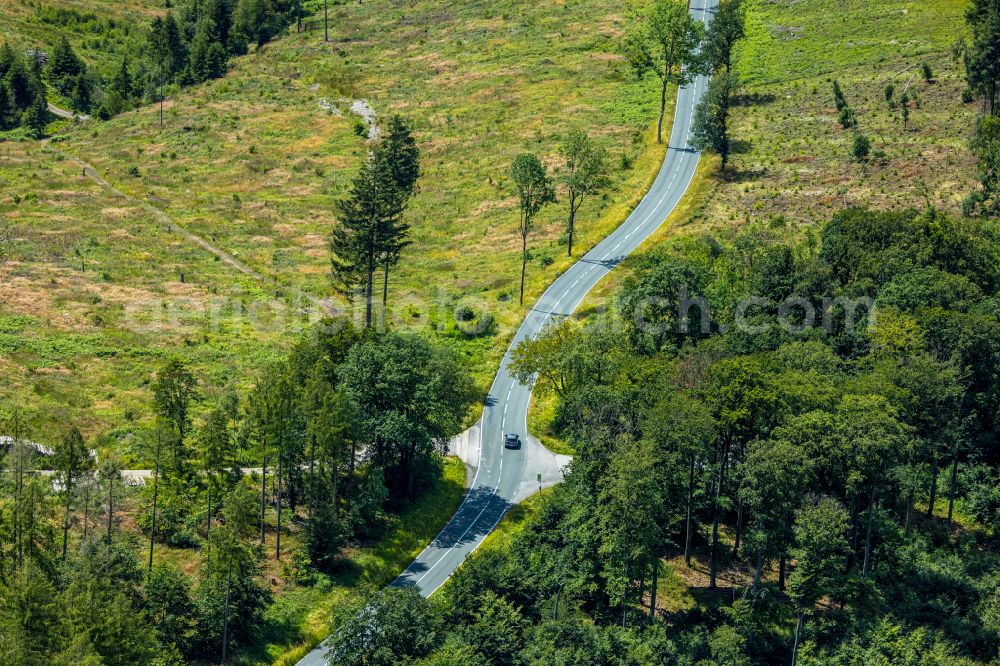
(793, 163)
(100, 30)
(253, 164)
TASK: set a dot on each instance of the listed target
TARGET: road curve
(505, 476)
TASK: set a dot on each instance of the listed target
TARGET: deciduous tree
(586, 174)
(665, 41)
(711, 120)
(534, 189)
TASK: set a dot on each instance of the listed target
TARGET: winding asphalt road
(505, 476)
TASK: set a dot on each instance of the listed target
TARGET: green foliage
(725, 29)
(711, 120)
(231, 574)
(986, 146)
(371, 230)
(167, 601)
(838, 97)
(757, 449)
(846, 117)
(396, 624)
(410, 395)
(173, 390)
(587, 174)
(665, 41)
(534, 190)
(982, 57)
(862, 147)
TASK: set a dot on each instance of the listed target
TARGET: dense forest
(191, 42)
(825, 471)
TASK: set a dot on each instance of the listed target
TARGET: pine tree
(64, 66)
(21, 83)
(36, 117)
(167, 45)
(122, 82)
(400, 150)
(368, 218)
(81, 98)
(982, 59)
(173, 391)
(8, 113)
(72, 460)
(214, 442)
(207, 58)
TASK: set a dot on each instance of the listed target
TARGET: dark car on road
(512, 441)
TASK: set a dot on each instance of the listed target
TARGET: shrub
(968, 96)
(360, 128)
(838, 97)
(846, 118)
(970, 204)
(862, 147)
(889, 91)
(927, 72)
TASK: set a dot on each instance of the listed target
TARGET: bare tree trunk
(336, 479)
(277, 533)
(66, 524)
(156, 488)
(739, 525)
(572, 222)
(524, 262)
(368, 295)
(934, 484)
(798, 629)
(326, 27)
(225, 621)
(868, 533)
(312, 463)
(111, 504)
(385, 289)
(653, 585)
(86, 510)
(263, 489)
(951, 493)
(687, 521)
(663, 104)
(18, 492)
(713, 555)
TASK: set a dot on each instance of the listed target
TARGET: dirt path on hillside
(169, 223)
